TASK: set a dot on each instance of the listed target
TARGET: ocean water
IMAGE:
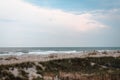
(49, 50)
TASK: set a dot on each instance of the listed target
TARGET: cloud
(24, 24)
(113, 14)
(110, 17)
(28, 16)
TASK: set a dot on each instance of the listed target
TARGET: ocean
(50, 50)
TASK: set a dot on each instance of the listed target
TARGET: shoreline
(12, 59)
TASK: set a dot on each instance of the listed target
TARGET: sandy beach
(92, 65)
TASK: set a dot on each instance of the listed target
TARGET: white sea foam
(51, 50)
(39, 52)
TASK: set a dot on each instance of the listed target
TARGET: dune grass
(99, 66)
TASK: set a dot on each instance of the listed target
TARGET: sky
(59, 23)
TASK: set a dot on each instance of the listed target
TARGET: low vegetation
(101, 68)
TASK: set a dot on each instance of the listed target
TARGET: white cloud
(26, 15)
(24, 24)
